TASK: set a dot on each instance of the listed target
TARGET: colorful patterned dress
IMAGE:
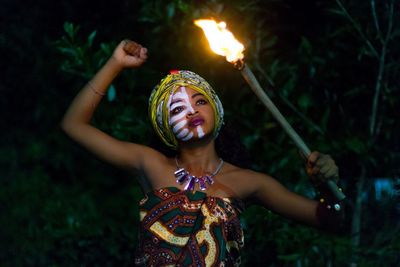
(180, 228)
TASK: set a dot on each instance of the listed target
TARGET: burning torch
(223, 42)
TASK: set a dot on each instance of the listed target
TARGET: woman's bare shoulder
(245, 181)
(239, 172)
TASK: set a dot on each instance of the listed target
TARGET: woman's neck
(199, 160)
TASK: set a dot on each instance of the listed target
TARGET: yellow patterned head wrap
(161, 94)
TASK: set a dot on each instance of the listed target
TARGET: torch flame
(221, 41)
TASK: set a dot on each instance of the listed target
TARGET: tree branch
(379, 78)
(376, 21)
(357, 27)
(288, 103)
(377, 91)
(390, 21)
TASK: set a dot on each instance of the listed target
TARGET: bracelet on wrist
(327, 198)
(94, 90)
(334, 206)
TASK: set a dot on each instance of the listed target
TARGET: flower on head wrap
(160, 99)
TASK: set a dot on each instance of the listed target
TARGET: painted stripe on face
(182, 99)
(188, 137)
(176, 117)
(175, 105)
(200, 131)
(182, 134)
(179, 126)
(183, 94)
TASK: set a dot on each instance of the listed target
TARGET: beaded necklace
(190, 181)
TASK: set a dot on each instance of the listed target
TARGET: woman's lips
(196, 122)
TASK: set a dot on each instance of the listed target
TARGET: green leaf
(71, 30)
(291, 257)
(356, 144)
(183, 6)
(106, 48)
(270, 42)
(304, 101)
(91, 38)
(274, 68)
(111, 93)
(305, 46)
(170, 10)
(67, 51)
(270, 125)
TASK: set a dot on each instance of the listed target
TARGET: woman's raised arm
(76, 121)
(274, 196)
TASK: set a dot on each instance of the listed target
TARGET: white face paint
(200, 131)
(178, 110)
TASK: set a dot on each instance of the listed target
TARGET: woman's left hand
(129, 54)
(321, 167)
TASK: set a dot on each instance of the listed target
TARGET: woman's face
(190, 115)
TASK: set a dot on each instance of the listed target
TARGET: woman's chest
(225, 184)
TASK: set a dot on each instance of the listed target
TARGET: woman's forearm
(84, 104)
(76, 121)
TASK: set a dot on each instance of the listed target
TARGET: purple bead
(190, 184)
(181, 175)
(180, 172)
(209, 179)
(202, 183)
(182, 179)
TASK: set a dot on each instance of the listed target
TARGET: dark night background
(324, 63)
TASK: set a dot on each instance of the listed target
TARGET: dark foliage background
(331, 66)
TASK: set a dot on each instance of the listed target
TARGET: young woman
(189, 216)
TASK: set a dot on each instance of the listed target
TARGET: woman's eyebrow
(176, 101)
(197, 94)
